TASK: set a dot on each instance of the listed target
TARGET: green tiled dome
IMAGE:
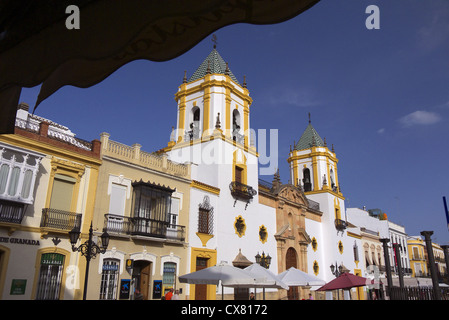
(309, 138)
(216, 65)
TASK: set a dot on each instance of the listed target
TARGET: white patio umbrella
(228, 275)
(297, 278)
(270, 279)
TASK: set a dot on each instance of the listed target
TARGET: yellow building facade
(142, 203)
(417, 256)
(48, 179)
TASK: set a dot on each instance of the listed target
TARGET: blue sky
(380, 96)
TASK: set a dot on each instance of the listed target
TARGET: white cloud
(420, 118)
(381, 131)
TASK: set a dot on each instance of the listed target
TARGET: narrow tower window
(236, 135)
(194, 132)
(306, 180)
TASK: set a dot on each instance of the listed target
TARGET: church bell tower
(312, 165)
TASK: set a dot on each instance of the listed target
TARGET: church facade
(336, 243)
(227, 221)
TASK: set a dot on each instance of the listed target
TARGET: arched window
(236, 133)
(332, 177)
(306, 180)
(196, 114)
(194, 127)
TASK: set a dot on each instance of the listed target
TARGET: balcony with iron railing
(137, 226)
(11, 212)
(242, 191)
(340, 225)
(59, 219)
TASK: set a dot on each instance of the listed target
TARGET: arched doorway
(291, 260)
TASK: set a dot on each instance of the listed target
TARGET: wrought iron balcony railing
(11, 212)
(116, 224)
(59, 219)
(242, 191)
(340, 225)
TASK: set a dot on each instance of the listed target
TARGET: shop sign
(125, 285)
(19, 241)
(18, 286)
(157, 289)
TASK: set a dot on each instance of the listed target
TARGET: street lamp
(336, 270)
(89, 249)
(263, 260)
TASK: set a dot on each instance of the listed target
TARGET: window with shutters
(117, 201)
(415, 253)
(62, 192)
(62, 196)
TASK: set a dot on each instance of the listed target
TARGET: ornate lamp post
(336, 269)
(89, 249)
(263, 260)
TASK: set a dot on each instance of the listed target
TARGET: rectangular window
(50, 276)
(117, 199)
(151, 208)
(18, 170)
(337, 214)
(203, 221)
(205, 217)
(109, 279)
(117, 208)
(62, 192)
(415, 253)
(238, 174)
(4, 173)
(169, 276)
(172, 230)
(174, 212)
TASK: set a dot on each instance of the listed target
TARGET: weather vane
(214, 40)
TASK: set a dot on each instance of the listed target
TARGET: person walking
(169, 294)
